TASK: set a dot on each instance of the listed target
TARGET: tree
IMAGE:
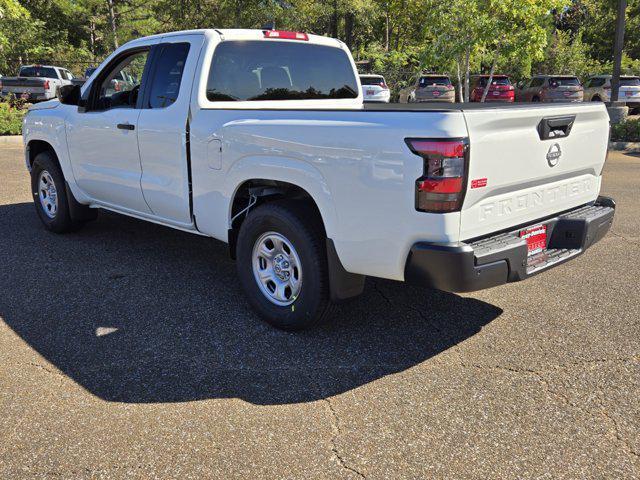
(516, 30)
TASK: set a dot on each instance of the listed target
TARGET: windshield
(434, 81)
(495, 81)
(44, 72)
(630, 82)
(279, 70)
(372, 81)
(564, 82)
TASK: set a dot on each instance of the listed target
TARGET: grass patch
(628, 131)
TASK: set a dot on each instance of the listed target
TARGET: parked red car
(500, 90)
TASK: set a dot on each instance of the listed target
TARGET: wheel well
(596, 98)
(35, 147)
(262, 191)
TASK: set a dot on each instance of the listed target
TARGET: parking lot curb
(632, 147)
(10, 139)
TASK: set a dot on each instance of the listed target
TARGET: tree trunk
(467, 67)
(617, 49)
(238, 15)
(334, 20)
(349, 20)
(386, 28)
(112, 18)
(490, 79)
(459, 75)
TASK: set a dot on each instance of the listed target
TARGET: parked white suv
(261, 139)
(375, 89)
(598, 89)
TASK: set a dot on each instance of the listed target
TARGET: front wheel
(282, 264)
(57, 208)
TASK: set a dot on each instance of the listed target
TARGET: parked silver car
(431, 88)
(550, 88)
(598, 89)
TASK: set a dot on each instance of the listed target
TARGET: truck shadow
(135, 312)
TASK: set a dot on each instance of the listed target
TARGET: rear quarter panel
(355, 164)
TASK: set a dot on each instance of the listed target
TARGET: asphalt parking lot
(127, 350)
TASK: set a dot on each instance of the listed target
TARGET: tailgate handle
(555, 127)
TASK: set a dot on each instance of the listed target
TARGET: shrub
(628, 131)
(11, 113)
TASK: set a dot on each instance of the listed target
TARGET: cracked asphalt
(128, 351)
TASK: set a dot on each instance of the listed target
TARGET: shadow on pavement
(136, 312)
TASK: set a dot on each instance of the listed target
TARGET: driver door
(102, 135)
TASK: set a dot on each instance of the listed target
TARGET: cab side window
(167, 77)
(119, 86)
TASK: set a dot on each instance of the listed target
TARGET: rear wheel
(596, 99)
(282, 265)
(535, 99)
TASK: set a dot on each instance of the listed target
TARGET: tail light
(284, 35)
(46, 84)
(442, 187)
(383, 85)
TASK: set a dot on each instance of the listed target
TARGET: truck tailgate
(22, 84)
(516, 177)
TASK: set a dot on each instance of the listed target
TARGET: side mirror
(69, 94)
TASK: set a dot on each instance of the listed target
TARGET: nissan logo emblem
(554, 154)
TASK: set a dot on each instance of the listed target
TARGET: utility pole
(617, 49)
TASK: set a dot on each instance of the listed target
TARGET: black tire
(61, 221)
(535, 99)
(298, 223)
(596, 99)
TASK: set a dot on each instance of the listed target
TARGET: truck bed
(461, 107)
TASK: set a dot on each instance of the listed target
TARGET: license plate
(371, 92)
(436, 94)
(629, 94)
(536, 238)
(496, 93)
(568, 94)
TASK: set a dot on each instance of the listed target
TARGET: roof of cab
(243, 34)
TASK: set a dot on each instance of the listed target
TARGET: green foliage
(628, 131)
(11, 113)
(568, 56)
(399, 38)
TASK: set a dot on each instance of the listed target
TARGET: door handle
(555, 127)
(126, 126)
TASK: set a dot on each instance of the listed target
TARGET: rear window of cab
(253, 70)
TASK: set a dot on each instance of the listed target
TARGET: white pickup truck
(36, 83)
(261, 139)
